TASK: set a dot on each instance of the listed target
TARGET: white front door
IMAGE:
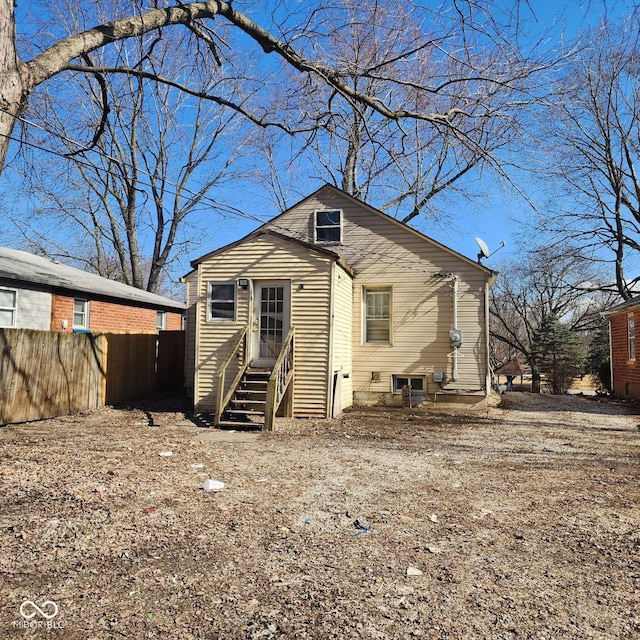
(271, 320)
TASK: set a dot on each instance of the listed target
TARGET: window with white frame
(377, 315)
(416, 383)
(81, 314)
(161, 320)
(631, 335)
(328, 226)
(222, 301)
(8, 307)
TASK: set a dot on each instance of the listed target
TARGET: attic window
(328, 226)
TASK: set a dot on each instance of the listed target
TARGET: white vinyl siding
(32, 308)
(191, 282)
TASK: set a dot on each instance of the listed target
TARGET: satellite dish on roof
(484, 249)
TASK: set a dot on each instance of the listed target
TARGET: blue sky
(494, 217)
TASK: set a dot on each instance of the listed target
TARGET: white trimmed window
(328, 226)
(8, 307)
(416, 382)
(222, 301)
(631, 335)
(80, 314)
(161, 320)
(377, 315)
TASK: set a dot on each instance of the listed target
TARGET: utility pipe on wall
(455, 325)
(454, 343)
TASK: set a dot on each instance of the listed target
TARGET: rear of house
(373, 306)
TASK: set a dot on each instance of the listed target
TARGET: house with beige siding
(329, 304)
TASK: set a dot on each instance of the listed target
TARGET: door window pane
(271, 321)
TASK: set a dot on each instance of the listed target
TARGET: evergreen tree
(597, 362)
(559, 353)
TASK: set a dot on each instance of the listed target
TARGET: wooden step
(246, 409)
(246, 401)
(232, 424)
(244, 412)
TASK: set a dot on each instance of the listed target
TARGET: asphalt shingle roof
(23, 267)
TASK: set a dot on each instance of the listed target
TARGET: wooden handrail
(280, 379)
(221, 398)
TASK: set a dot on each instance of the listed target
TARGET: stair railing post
(269, 404)
(219, 396)
(221, 399)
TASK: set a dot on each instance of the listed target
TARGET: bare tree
(122, 204)
(542, 287)
(469, 63)
(299, 47)
(593, 138)
(408, 110)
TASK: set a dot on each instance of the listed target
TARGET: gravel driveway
(520, 521)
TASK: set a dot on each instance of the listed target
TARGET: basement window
(417, 384)
(328, 226)
(222, 301)
(8, 307)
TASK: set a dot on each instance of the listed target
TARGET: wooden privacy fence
(46, 374)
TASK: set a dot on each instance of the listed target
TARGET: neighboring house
(354, 304)
(38, 293)
(624, 322)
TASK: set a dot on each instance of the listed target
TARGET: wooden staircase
(252, 399)
(247, 405)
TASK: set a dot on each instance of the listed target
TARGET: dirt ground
(519, 521)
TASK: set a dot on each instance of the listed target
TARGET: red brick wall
(110, 317)
(61, 309)
(626, 373)
(174, 322)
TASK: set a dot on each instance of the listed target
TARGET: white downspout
(455, 325)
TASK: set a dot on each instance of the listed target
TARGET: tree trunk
(14, 78)
(535, 382)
